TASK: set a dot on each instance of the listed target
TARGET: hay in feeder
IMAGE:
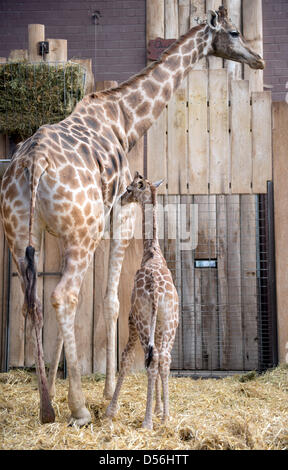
(35, 94)
(205, 414)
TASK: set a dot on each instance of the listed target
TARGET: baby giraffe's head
(140, 190)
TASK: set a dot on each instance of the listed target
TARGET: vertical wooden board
(280, 175)
(222, 268)
(197, 10)
(219, 132)
(101, 260)
(210, 359)
(253, 33)
(241, 139)
(171, 19)
(234, 283)
(234, 7)
(136, 158)
(154, 19)
(261, 140)
(84, 323)
(176, 117)
(36, 33)
(157, 151)
(156, 135)
(131, 264)
(187, 283)
(52, 264)
(214, 62)
(16, 321)
(198, 156)
(184, 16)
(206, 248)
(173, 258)
(249, 280)
(198, 319)
(177, 144)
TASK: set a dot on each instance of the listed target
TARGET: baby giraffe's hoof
(110, 412)
(158, 410)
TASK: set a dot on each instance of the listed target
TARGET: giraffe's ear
(156, 184)
(137, 175)
(213, 19)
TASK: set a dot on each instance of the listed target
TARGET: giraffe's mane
(170, 50)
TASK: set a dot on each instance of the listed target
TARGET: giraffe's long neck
(144, 96)
(150, 225)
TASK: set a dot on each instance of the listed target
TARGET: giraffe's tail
(34, 170)
(150, 351)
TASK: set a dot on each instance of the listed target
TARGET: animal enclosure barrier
(221, 271)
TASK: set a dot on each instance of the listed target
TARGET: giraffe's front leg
(123, 229)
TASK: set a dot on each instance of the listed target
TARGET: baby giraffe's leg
(54, 364)
(158, 405)
(126, 363)
(164, 366)
(152, 372)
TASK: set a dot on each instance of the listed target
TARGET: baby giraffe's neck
(150, 229)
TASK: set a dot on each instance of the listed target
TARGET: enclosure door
(218, 259)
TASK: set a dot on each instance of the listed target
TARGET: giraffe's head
(227, 41)
(140, 190)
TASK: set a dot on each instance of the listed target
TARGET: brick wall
(275, 31)
(117, 45)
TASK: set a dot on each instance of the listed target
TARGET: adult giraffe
(67, 177)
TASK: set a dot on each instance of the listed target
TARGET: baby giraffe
(154, 306)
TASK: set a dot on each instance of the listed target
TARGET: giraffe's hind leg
(65, 300)
(18, 249)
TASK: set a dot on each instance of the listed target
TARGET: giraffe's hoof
(81, 418)
(146, 425)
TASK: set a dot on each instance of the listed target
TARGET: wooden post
(280, 173)
(90, 81)
(234, 12)
(197, 10)
(253, 33)
(214, 62)
(57, 50)
(18, 55)
(154, 19)
(36, 33)
(156, 136)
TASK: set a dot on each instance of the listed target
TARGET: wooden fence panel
(219, 132)
(280, 170)
(241, 143)
(198, 159)
(261, 140)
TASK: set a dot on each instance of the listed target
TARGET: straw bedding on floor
(240, 412)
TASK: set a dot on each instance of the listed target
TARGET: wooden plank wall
(195, 142)
(280, 169)
(229, 139)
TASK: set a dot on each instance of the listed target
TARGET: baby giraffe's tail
(149, 355)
